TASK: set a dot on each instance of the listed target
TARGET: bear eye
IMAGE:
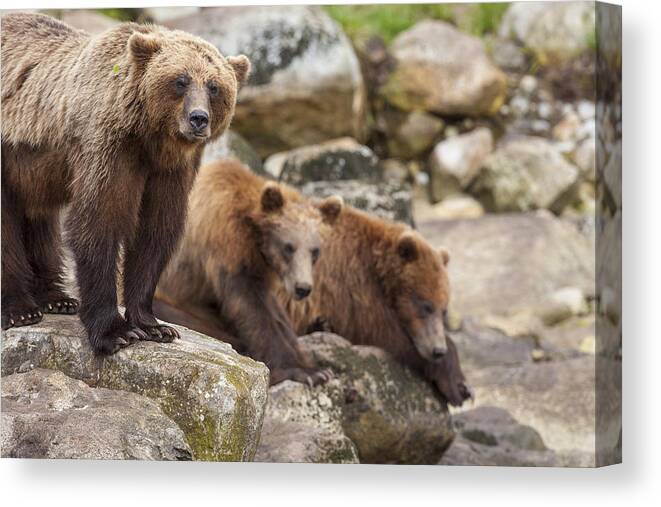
(427, 308)
(289, 249)
(315, 254)
(181, 83)
(213, 89)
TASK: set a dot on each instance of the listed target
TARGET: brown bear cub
(246, 239)
(380, 283)
(113, 125)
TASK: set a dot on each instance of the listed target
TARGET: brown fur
(381, 284)
(234, 258)
(103, 123)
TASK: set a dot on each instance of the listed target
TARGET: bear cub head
(419, 290)
(289, 231)
(189, 89)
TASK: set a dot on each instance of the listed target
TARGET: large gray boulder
(524, 174)
(88, 20)
(374, 410)
(346, 168)
(334, 160)
(46, 414)
(410, 134)
(304, 425)
(432, 58)
(233, 146)
(553, 31)
(490, 436)
(389, 200)
(512, 262)
(557, 398)
(452, 207)
(456, 161)
(305, 85)
(216, 396)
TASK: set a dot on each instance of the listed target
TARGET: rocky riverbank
(497, 148)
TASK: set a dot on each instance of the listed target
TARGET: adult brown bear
(246, 238)
(114, 125)
(380, 283)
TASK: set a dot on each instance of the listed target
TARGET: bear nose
(198, 119)
(438, 352)
(302, 290)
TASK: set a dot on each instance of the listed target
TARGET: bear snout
(199, 120)
(302, 290)
(439, 352)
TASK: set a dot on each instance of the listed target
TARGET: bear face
(449, 378)
(289, 236)
(419, 293)
(188, 87)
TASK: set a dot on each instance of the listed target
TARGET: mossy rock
(216, 396)
(375, 410)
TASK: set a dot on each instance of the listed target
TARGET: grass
(387, 21)
(120, 14)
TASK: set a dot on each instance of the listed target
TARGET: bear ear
(272, 198)
(445, 255)
(143, 46)
(407, 247)
(331, 208)
(241, 66)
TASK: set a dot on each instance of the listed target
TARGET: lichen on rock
(216, 396)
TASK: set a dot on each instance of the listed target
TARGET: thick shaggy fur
(102, 123)
(381, 284)
(247, 238)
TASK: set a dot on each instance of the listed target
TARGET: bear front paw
(65, 305)
(24, 317)
(161, 333)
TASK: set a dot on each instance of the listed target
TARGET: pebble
(528, 84)
(540, 126)
(451, 131)
(544, 110)
(519, 105)
(585, 109)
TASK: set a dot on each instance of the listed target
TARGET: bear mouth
(195, 137)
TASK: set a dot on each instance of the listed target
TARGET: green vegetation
(486, 18)
(389, 20)
(120, 14)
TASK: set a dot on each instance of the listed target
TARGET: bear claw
(67, 306)
(319, 377)
(162, 334)
(24, 319)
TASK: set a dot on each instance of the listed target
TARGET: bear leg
(18, 306)
(95, 227)
(265, 329)
(43, 245)
(449, 378)
(162, 217)
(309, 376)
